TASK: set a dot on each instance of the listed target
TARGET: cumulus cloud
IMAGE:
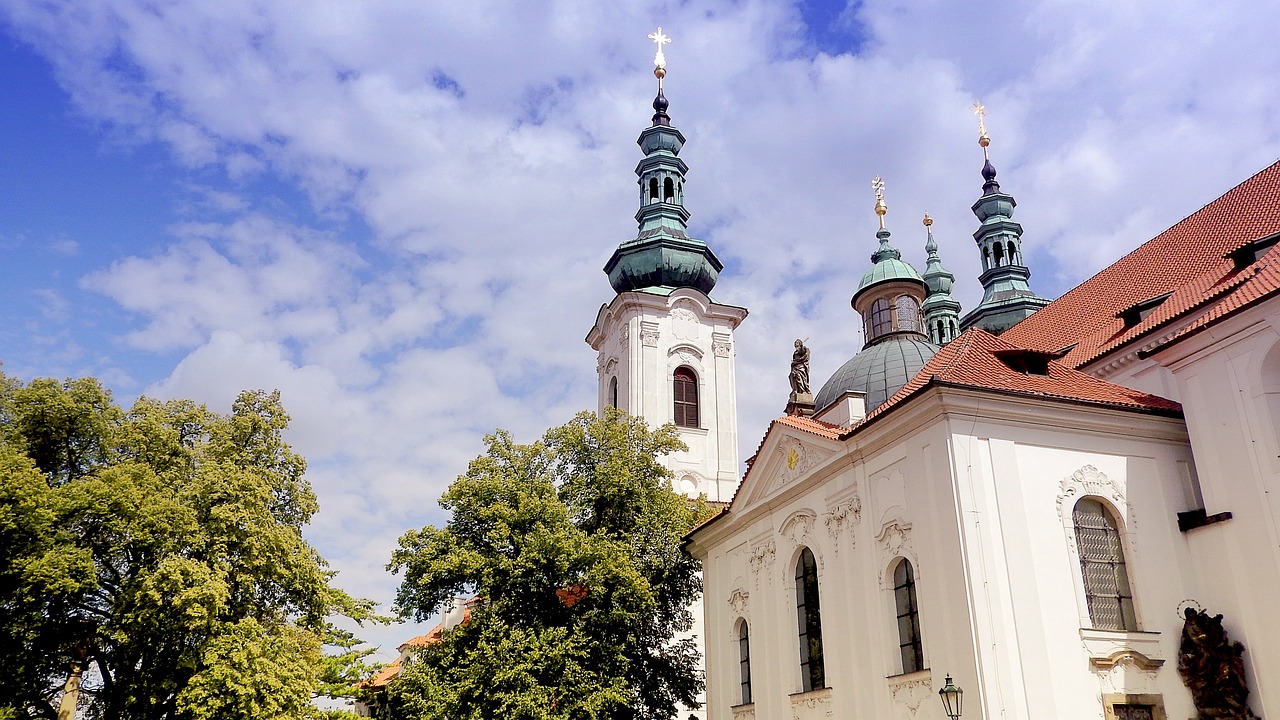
(468, 170)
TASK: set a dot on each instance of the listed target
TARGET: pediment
(786, 457)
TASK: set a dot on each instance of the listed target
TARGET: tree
(574, 546)
(157, 556)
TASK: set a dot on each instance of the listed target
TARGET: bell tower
(664, 347)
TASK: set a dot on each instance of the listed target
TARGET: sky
(396, 212)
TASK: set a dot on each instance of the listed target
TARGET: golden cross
(981, 111)
(878, 186)
(659, 39)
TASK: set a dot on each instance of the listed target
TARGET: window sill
(694, 430)
(810, 697)
(1108, 648)
(906, 677)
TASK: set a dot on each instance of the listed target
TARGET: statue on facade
(1212, 667)
(800, 369)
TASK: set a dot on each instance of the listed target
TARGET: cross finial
(659, 39)
(881, 208)
(981, 111)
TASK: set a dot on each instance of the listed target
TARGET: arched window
(809, 618)
(908, 311)
(881, 319)
(1106, 581)
(1013, 253)
(613, 391)
(904, 602)
(998, 254)
(684, 387)
(668, 190)
(986, 258)
(744, 661)
(653, 190)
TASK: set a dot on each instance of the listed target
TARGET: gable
(787, 455)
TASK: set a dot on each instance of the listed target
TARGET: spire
(887, 265)
(885, 251)
(1006, 297)
(941, 311)
(662, 255)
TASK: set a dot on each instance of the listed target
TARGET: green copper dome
(879, 371)
(886, 265)
(662, 255)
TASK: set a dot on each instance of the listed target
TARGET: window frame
(685, 412)
(744, 663)
(809, 623)
(911, 647)
(1095, 569)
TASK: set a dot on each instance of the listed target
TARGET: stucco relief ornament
(799, 526)
(845, 513)
(721, 348)
(762, 556)
(686, 358)
(797, 459)
(895, 537)
(1089, 480)
(649, 336)
(683, 313)
(738, 601)
(623, 337)
(911, 694)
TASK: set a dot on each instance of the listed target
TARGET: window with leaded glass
(684, 387)
(1106, 581)
(881, 319)
(809, 617)
(744, 661)
(904, 597)
(908, 311)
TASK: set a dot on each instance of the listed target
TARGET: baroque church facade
(1068, 509)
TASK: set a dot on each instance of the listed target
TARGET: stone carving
(1088, 480)
(649, 334)
(738, 601)
(799, 526)
(1211, 667)
(762, 556)
(610, 366)
(910, 692)
(798, 458)
(799, 376)
(744, 712)
(845, 512)
(623, 337)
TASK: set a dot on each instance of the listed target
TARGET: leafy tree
(156, 556)
(574, 544)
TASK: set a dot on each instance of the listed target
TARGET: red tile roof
(973, 360)
(1189, 260)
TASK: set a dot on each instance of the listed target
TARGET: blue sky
(396, 212)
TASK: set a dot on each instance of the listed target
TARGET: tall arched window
(809, 618)
(1106, 581)
(744, 661)
(668, 190)
(904, 601)
(613, 391)
(881, 319)
(653, 190)
(684, 385)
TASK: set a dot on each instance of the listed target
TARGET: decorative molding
(721, 344)
(844, 512)
(1089, 480)
(624, 336)
(797, 459)
(811, 705)
(744, 712)
(1120, 657)
(1124, 662)
(684, 313)
(895, 542)
(798, 527)
(761, 557)
(738, 601)
(610, 366)
(648, 333)
(909, 692)
(688, 353)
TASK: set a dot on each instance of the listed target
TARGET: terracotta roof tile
(971, 360)
(1188, 260)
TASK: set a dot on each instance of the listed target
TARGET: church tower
(1007, 299)
(665, 348)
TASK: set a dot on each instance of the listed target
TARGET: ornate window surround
(1091, 482)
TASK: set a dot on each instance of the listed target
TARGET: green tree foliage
(574, 544)
(160, 550)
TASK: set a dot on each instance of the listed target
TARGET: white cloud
(488, 148)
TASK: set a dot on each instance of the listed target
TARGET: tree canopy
(573, 545)
(157, 553)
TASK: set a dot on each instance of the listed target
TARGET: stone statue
(800, 369)
(1211, 666)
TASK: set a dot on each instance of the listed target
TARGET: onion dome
(662, 255)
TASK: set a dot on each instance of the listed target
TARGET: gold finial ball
(984, 141)
(881, 209)
(659, 72)
(927, 220)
